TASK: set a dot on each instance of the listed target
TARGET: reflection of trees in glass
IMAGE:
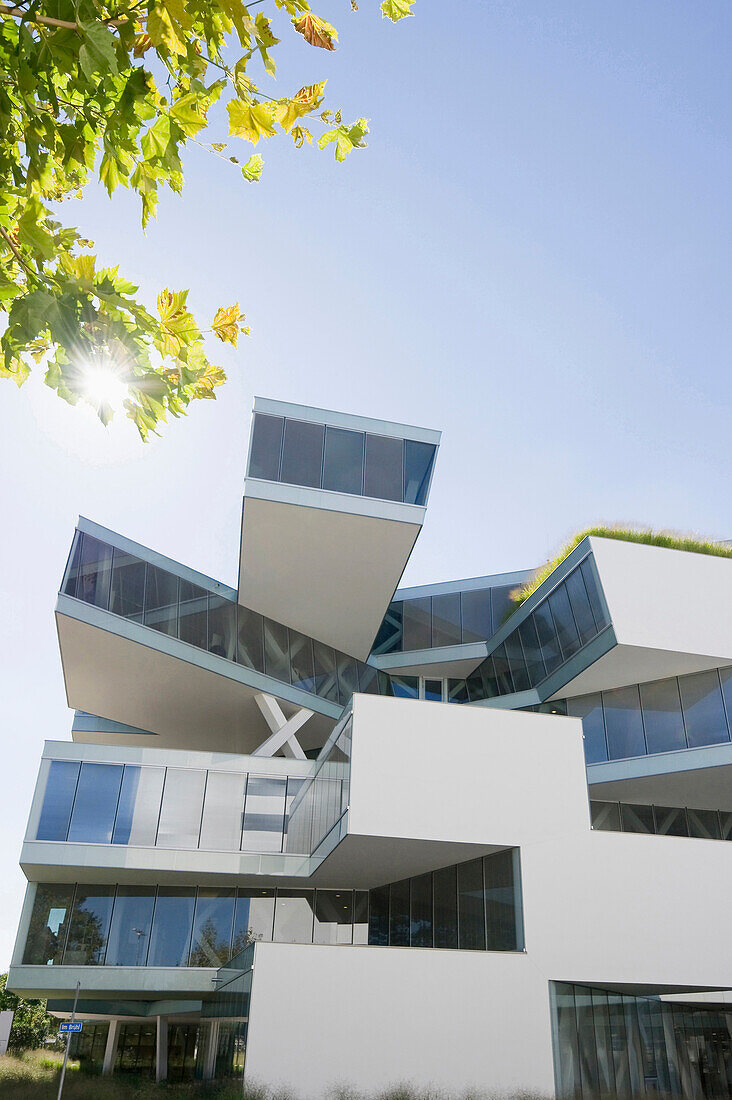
(86, 941)
(243, 939)
(48, 925)
(209, 948)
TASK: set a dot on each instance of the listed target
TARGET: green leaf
(396, 9)
(32, 231)
(252, 170)
(98, 54)
(346, 138)
(156, 138)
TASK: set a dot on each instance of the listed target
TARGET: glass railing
(323, 798)
(319, 456)
(568, 618)
(135, 589)
(189, 808)
(627, 817)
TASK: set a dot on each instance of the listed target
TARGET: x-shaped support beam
(283, 729)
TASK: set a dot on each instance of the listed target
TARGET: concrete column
(161, 1050)
(212, 1043)
(110, 1050)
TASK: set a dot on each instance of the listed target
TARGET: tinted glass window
(476, 615)
(399, 914)
(222, 627)
(389, 638)
(254, 917)
(264, 457)
(532, 651)
(446, 619)
(502, 604)
(662, 716)
(95, 804)
(594, 592)
(605, 815)
(193, 615)
(405, 687)
(701, 698)
(623, 723)
(139, 805)
(172, 923)
(471, 908)
(589, 709)
(704, 824)
(212, 926)
(671, 821)
(302, 453)
(161, 600)
(637, 819)
(93, 572)
(343, 464)
(223, 811)
(326, 678)
(579, 600)
(301, 661)
(276, 651)
(383, 474)
(725, 676)
(502, 669)
(515, 655)
(49, 924)
(361, 917)
(564, 621)
(294, 916)
(127, 594)
(420, 913)
(417, 623)
(250, 651)
(129, 933)
(58, 800)
(418, 459)
(546, 631)
(264, 814)
(180, 816)
(502, 910)
(379, 916)
(333, 916)
(89, 926)
(444, 884)
(433, 691)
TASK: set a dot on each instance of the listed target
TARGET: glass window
(504, 680)
(223, 811)
(446, 619)
(389, 638)
(532, 651)
(161, 600)
(129, 933)
(95, 804)
(433, 691)
(471, 906)
(302, 453)
(444, 883)
(623, 723)
(253, 918)
(170, 940)
(502, 604)
(420, 911)
(294, 916)
(222, 627)
(399, 914)
(704, 824)
(193, 615)
(564, 621)
(58, 800)
(701, 698)
(301, 661)
(264, 456)
(49, 924)
(502, 910)
(333, 916)
(515, 655)
(417, 616)
(211, 944)
(725, 676)
(264, 814)
(405, 687)
(276, 651)
(379, 916)
(589, 709)
(91, 571)
(361, 916)
(180, 814)
(343, 463)
(383, 473)
(671, 821)
(347, 677)
(546, 631)
(637, 819)
(588, 570)
(250, 651)
(418, 461)
(89, 925)
(139, 805)
(580, 602)
(605, 816)
(127, 595)
(725, 821)
(457, 691)
(476, 615)
(662, 719)
(326, 679)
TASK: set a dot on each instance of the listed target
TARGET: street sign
(70, 1025)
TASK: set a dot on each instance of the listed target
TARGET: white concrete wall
(369, 1017)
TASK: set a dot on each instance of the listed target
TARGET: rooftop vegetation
(670, 540)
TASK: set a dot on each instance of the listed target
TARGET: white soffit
(629, 664)
(323, 563)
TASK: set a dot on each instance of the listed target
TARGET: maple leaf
(316, 31)
(252, 170)
(226, 323)
(250, 120)
(177, 326)
(396, 9)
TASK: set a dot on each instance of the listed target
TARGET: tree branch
(49, 21)
(15, 250)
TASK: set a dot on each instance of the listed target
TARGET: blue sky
(532, 255)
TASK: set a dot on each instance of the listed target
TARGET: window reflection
(89, 925)
(58, 800)
(170, 939)
(49, 924)
(212, 927)
(129, 933)
(294, 916)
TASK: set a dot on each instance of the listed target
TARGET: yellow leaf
(177, 327)
(316, 31)
(299, 134)
(250, 121)
(141, 43)
(226, 323)
(219, 146)
(206, 382)
(396, 9)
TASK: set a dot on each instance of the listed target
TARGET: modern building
(318, 829)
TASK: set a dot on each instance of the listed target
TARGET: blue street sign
(70, 1025)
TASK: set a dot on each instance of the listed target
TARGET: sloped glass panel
(501, 604)
(161, 600)
(567, 632)
(302, 453)
(127, 593)
(418, 460)
(95, 804)
(581, 608)
(517, 664)
(276, 652)
(250, 650)
(222, 627)
(535, 667)
(547, 634)
(384, 468)
(264, 456)
(58, 800)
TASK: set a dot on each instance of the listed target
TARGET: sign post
(68, 1029)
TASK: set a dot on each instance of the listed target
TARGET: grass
(670, 540)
